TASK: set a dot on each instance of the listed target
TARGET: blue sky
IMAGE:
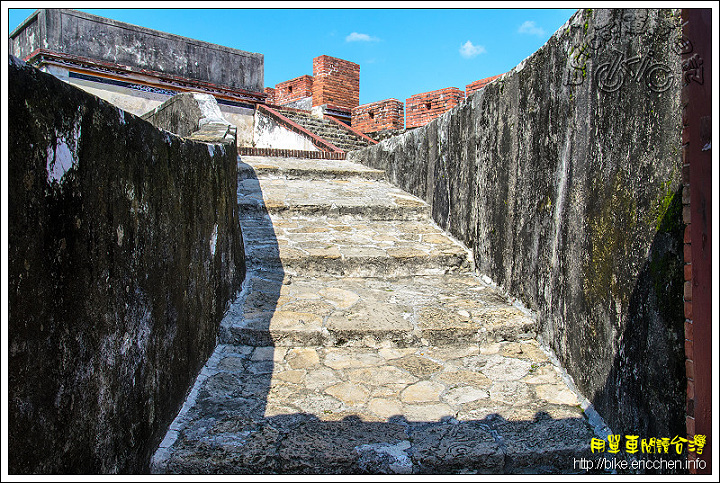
(401, 52)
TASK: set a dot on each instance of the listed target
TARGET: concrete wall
(124, 252)
(68, 31)
(565, 181)
(243, 119)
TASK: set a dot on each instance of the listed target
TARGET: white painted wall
(269, 134)
(139, 102)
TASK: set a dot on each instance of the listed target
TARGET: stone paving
(363, 343)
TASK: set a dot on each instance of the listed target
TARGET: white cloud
(356, 37)
(468, 50)
(529, 27)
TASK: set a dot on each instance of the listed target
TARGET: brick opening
(293, 90)
(424, 107)
(378, 116)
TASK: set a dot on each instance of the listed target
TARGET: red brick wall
(696, 101)
(422, 108)
(270, 92)
(479, 84)
(377, 116)
(293, 89)
(337, 82)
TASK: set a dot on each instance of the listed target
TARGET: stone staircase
(362, 342)
(326, 129)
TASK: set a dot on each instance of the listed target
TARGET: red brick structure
(479, 84)
(422, 108)
(293, 90)
(379, 116)
(270, 93)
(696, 101)
(337, 82)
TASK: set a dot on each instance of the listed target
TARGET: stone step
(362, 342)
(284, 310)
(276, 167)
(351, 246)
(470, 409)
(371, 199)
(327, 130)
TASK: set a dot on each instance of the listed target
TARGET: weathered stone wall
(563, 176)
(192, 114)
(70, 31)
(124, 252)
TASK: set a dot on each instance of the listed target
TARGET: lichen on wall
(562, 178)
(124, 252)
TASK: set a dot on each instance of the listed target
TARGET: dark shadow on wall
(227, 430)
(235, 441)
(230, 433)
(123, 253)
(247, 324)
(648, 399)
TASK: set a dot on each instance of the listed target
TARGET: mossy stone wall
(562, 176)
(124, 252)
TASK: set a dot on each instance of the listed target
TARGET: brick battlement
(337, 82)
(479, 84)
(294, 89)
(422, 108)
(378, 116)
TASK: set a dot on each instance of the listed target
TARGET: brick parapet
(379, 116)
(270, 95)
(479, 84)
(336, 82)
(422, 108)
(294, 89)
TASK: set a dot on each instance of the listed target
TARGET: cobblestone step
(350, 246)
(491, 408)
(283, 310)
(363, 343)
